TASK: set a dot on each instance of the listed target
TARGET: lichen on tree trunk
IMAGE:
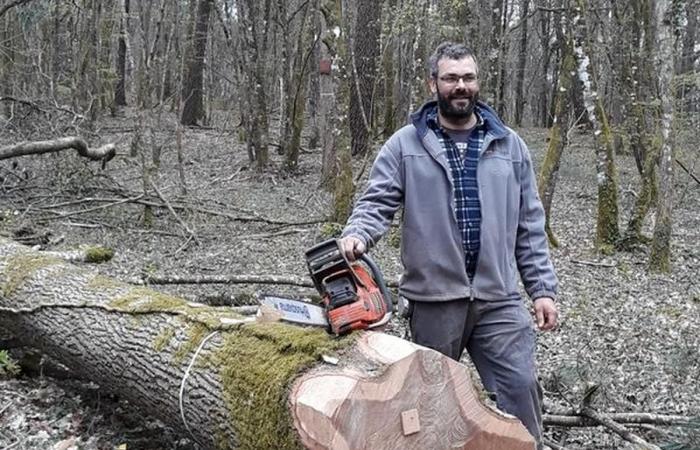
(607, 227)
(558, 139)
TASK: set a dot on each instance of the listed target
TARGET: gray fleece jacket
(411, 170)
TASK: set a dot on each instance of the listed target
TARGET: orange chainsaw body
(354, 297)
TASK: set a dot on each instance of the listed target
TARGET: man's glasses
(454, 79)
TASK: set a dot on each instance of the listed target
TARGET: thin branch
(593, 263)
(623, 432)
(571, 419)
(287, 280)
(172, 211)
(685, 169)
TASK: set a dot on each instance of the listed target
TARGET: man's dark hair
(448, 50)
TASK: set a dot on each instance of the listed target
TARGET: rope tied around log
(184, 382)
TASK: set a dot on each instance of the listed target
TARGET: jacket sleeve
(531, 248)
(383, 195)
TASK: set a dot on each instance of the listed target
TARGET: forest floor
(628, 334)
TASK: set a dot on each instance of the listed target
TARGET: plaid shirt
(463, 166)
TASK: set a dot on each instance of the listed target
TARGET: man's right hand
(352, 247)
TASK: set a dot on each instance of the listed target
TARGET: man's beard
(452, 112)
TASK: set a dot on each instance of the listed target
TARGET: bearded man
(472, 222)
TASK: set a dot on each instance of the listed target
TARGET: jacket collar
(494, 125)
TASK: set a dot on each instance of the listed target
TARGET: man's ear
(432, 85)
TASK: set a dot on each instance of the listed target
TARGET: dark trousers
(500, 339)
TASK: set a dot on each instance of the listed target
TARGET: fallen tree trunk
(104, 153)
(234, 382)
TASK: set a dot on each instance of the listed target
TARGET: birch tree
(607, 228)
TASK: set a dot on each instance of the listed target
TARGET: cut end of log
(412, 398)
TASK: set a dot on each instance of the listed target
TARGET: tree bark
(193, 108)
(362, 64)
(660, 257)
(522, 59)
(558, 134)
(105, 153)
(607, 227)
(120, 89)
(234, 382)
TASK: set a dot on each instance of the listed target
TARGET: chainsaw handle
(377, 274)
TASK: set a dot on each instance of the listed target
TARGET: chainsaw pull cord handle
(382, 288)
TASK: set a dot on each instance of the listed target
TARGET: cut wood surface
(229, 381)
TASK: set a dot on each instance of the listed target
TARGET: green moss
(99, 254)
(144, 300)
(22, 267)
(257, 364)
(331, 229)
(100, 282)
(163, 339)
(8, 366)
(195, 333)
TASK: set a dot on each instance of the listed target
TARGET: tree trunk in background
(343, 186)
(639, 80)
(607, 227)
(363, 66)
(254, 34)
(315, 79)
(522, 60)
(389, 55)
(193, 108)
(688, 86)
(297, 92)
(660, 257)
(558, 138)
(120, 89)
(543, 85)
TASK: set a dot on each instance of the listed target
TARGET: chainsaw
(354, 295)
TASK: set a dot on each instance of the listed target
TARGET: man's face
(456, 86)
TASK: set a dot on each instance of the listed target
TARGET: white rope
(184, 381)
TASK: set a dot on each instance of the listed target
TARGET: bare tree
(607, 228)
(660, 257)
(193, 109)
(364, 53)
(120, 89)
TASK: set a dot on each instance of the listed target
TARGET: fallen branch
(690, 174)
(617, 428)
(593, 263)
(571, 419)
(287, 280)
(104, 153)
(172, 211)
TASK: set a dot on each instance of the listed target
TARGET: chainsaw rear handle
(379, 278)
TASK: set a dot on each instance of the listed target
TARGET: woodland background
(238, 132)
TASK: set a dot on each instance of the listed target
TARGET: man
(471, 217)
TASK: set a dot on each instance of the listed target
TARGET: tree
(607, 228)
(660, 257)
(120, 89)
(362, 63)
(558, 133)
(193, 108)
(522, 60)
